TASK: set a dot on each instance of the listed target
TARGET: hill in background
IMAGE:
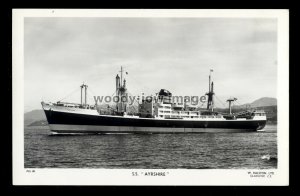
(262, 102)
(34, 116)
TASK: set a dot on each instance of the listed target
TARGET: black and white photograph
(150, 97)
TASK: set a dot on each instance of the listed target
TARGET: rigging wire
(201, 105)
(113, 93)
(69, 94)
(238, 102)
(91, 90)
(139, 83)
(133, 96)
(134, 107)
(224, 105)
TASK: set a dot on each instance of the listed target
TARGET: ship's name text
(149, 173)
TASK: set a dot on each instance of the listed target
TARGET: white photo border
(23, 176)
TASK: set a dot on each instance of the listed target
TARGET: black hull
(60, 121)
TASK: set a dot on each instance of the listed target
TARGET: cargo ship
(154, 115)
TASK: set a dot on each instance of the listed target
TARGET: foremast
(83, 86)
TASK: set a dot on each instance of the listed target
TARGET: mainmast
(210, 101)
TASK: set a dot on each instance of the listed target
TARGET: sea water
(252, 150)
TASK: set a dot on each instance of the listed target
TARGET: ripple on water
(167, 151)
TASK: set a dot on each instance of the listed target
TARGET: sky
(158, 53)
